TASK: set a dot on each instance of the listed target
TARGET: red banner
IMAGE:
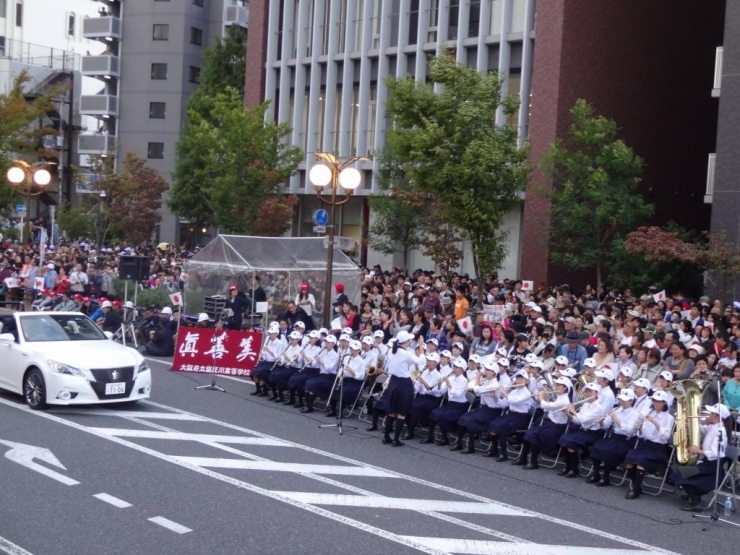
(233, 353)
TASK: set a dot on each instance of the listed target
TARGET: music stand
(213, 384)
(714, 517)
(339, 424)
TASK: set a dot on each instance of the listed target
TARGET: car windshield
(52, 327)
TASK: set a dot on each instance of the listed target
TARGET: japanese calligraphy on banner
(232, 353)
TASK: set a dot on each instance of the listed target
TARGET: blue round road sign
(320, 217)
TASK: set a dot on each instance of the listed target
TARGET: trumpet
(575, 405)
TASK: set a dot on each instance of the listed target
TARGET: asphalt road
(205, 472)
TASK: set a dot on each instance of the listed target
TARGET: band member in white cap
(610, 451)
(352, 376)
(427, 396)
(401, 361)
(311, 369)
(585, 429)
(652, 451)
(643, 402)
(517, 418)
(321, 385)
(447, 416)
(291, 361)
(605, 380)
(478, 420)
(714, 430)
(545, 437)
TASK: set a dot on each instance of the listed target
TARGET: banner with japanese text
(232, 353)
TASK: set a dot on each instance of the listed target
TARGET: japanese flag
(527, 285)
(38, 283)
(466, 325)
(176, 299)
(659, 296)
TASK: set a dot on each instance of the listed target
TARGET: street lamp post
(330, 171)
(99, 220)
(22, 172)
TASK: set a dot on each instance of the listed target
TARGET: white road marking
(435, 485)
(181, 436)
(25, 454)
(482, 547)
(120, 503)
(128, 413)
(7, 546)
(169, 524)
(275, 466)
(382, 502)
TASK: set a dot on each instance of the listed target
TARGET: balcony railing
(99, 105)
(718, 60)
(710, 178)
(37, 55)
(95, 144)
(105, 65)
(101, 27)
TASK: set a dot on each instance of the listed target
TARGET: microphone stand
(339, 425)
(714, 517)
(213, 384)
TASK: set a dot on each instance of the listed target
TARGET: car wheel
(34, 389)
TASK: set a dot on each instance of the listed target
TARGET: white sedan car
(62, 358)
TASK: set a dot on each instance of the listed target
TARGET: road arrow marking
(24, 454)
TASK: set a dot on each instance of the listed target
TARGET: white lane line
(359, 525)
(120, 503)
(483, 547)
(275, 466)
(382, 502)
(435, 485)
(129, 413)
(181, 436)
(7, 546)
(169, 524)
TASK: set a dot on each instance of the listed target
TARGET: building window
(19, 14)
(198, 3)
(71, 25)
(433, 21)
(474, 18)
(196, 36)
(194, 74)
(414, 22)
(2, 46)
(159, 71)
(155, 150)
(454, 15)
(157, 110)
(3, 8)
(160, 31)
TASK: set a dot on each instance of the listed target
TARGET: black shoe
(564, 471)
(427, 440)
(603, 483)
(398, 443)
(331, 414)
(306, 410)
(372, 428)
(632, 494)
(262, 393)
(471, 446)
(572, 474)
(257, 390)
(593, 478)
(386, 441)
(408, 435)
(684, 497)
(289, 402)
(273, 397)
(531, 466)
(298, 405)
(693, 508)
(518, 462)
(492, 450)
(442, 442)
(502, 458)
(456, 447)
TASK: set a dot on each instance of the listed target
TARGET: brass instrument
(688, 410)
(578, 404)
(580, 382)
(415, 373)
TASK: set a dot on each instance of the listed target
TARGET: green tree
(76, 222)
(224, 65)
(395, 227)
(448, 145)
(230, 161)
(595, 198)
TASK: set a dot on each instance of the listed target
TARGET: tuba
(688, 412)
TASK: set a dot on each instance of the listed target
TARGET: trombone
(575, 405)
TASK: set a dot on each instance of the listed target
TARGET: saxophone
(688, 413)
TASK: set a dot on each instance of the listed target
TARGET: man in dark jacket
(295, 313)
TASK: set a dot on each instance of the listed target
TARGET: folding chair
(732, 454)
(470, 399)
(357, 399)
(552, 463)
(363, 415)
(517, 452)
(646, 481)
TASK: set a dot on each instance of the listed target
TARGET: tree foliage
(76, 222)
(595, 201)
(230, 162)
(224, 65)
(446, 144)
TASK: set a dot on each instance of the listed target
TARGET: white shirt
(310, 352)
(588, 414)
(628, 418)
(485, 391)
(272, 349)
(293, 357)
(400, 363)
(711, 445)
(650, 433)
(370, 357)
(430, 377)
(643, 405)
(606, 398)
(357, 365)
(519, 400)
(553, 408)
(458, 388)
(328, 361)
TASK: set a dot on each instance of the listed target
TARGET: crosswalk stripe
(182, 436)
(382, 502)
(484, 547)
(170, 524)
(132, 414)
(274, 466)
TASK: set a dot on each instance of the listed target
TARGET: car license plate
(115, 388)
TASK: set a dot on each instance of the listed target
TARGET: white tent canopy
(282, 263)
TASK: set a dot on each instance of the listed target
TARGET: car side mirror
(108, 334)
(7, 338)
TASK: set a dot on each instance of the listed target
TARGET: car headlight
(143, 367)
(61, 368)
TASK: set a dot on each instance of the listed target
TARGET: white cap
(666, 375)
(202, 317)
(403, 336)
(367, 340)
(344, 337)
(295, 335)
(501, 351)
(348, 331)
(166, 310)
(130, 304)
(273, 329)
(661, 395)
(355, 345)
(530, 358)
(722, 410)
(379, 333)
(460, 363)
(563, 360)
(536, 364)
(698, 348)
(106, 304)
(642, 382)
(299, 324)
(324, 331)
(431, 340)
(458, 345)
(605, 373)
(446, 353)
(568, 372)
(626, 371)
(563, 381)
(314, 334)
(536, 307)
(626, 395)
(433, 356)
(588, 362)
(503, 362)
(592, 386)
(50, 265)
(521, 374)
(331, 339)
(474, 358)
